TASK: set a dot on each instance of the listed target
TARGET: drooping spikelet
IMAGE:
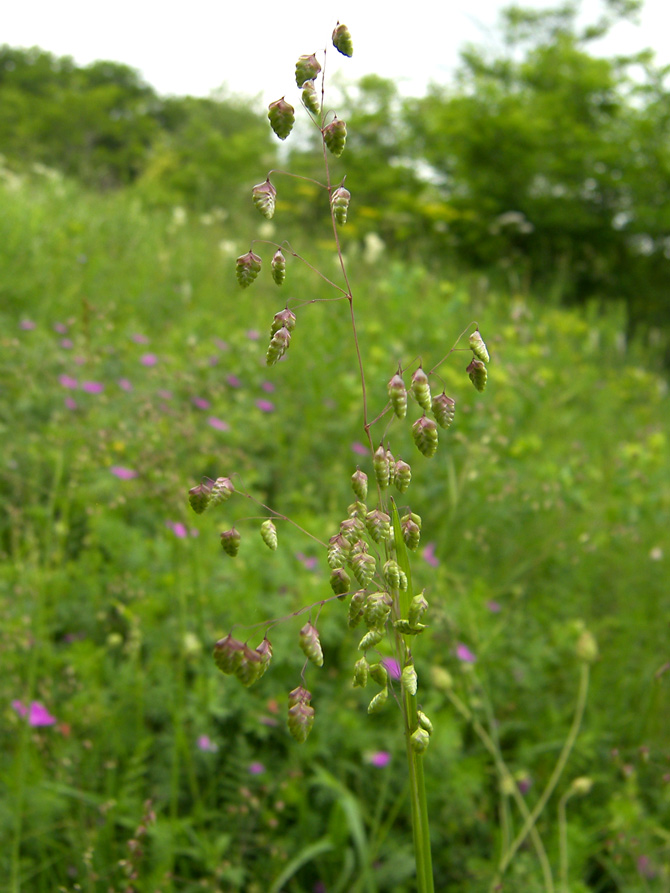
(282, 117)
(443, 408)
(306, 69)
(335, 136)
(222, 490)
(247, 268)
(310, 98)
(380, 463)
(403, 475)
(424, 432)
(264, 195)
(199, 497)
(342, 40)
(285, 318)
(230, 542)
(269, 534)
(398, 395)
(300, 713)
(421, 389)
(278, 267)
(340, 203)
(279, 344)
(359, 483)
(478, 347)
(478, 374)
(311, 644)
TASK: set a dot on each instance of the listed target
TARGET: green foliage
(557, 494)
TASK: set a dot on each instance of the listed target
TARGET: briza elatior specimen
(368, 553)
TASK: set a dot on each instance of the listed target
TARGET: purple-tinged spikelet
(380, 463)
(359, 483)
(342, 40)
(398, 395)
(421, 389)
(478, 347)
(199, 497)
(284, 319)
(230, 542)
(222, 490)
(306, 69)
(264, 196)
(444, 409)
(424, 432)
(340, 203)
(269, 534)
(282, 117)
(300, 713)
(335, 136)
(311, 644)
(403, 476)
(247, 268)
(478, 374)
(310, 98)
(279, 344)
(278, 268)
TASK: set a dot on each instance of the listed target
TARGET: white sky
(197, 46)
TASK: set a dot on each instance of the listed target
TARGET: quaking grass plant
(369, 552)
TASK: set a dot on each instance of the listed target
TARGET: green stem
(556, 774)
(417, 787)
(563, 842)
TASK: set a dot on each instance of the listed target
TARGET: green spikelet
(411, 533)
(420, 739)
(424, 432)
(371, 638)
(359, 483)
(378, 701)
(340, 203)
(340, 581)
(356, 608)
(335, 136)
(351, 529)
(311, 644)
(230, 542)
(379, 673)
(279, 344)
(199, 497)
(417, 608)
(380, 463)
(421, 389)
(300, 714)
(222, 490)
(378, 524)
(398, 395)
(403, 476)
(265, 651)
(264, 195)
(338, 551)
(278, 268)
(283, 319)
(363, 566)
(407, 628)
(424, 722)
(394, 575)
(342, 40)
(377, 609)
(306, 69)
(357, 510)
(391, 461)
(443, 408)
(247, 268)
(409, 679)
(478, 347)
(282, 117)
(269, 534)
(228, 654)
(310, 98)
(251, 668)
(478, 374)
(361, 670)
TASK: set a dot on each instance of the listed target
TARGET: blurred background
(508, 166)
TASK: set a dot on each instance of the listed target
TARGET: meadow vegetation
(132, 365)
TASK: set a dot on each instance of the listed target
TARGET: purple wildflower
(380, 758)
(92, 387)
(27, 325)
(67, 381)
(70, 403)
(206, 744)
(220, 344)
(165, 395)
(392, 667)
(464, 654)
(265, 405)
(359, 449)
(139, 339)
(37, 713)
(218, 424)
(148, 359)
(177, 528)
(200, 403)
(67, 344)
(253, 334)
(60, 327)
(125, 385)
(268, 387)
(256, 768)
(494, 606)
(124, 474)
(310, 562)
(234, 381)
(429, 555)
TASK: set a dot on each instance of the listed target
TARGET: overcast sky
(199, 45)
